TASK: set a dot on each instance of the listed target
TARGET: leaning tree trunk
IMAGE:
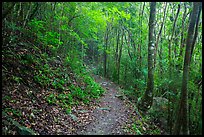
(182, 120)
(147, 99)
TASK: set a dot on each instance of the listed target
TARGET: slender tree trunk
(160, 58)
(146, 102)
(182, 120)
(120, 54)
(159, 35)
(182, 38)
(171, 40)
(196, 31)
(139, 45)
(117, 45)
(128, 44)
(125, 75)
(117, 54)
(169, 119)
(105, 51)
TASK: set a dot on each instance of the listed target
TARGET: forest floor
(105, 115)
(111, 113)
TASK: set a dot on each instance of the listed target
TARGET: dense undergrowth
(29, 61)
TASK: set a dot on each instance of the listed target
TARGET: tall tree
(105, 50)
(119, 57)
(139, 45)
(147, 99)
(182, 120)
(196, 31)
(159, 34)
(171, 40)
(182, 37)
(170, 69)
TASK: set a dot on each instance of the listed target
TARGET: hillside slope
(40, 88)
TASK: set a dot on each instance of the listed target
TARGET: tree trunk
(171, 40)
(117, 46)
(104, 52)
(182, 38)
(169, 119)
(139, 46)
(128, 44)
(196, 31)
(159, 35)
(182, 120)
(147, 99)
(117, 54)
(119, 57)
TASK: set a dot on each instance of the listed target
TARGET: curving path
(111, 115)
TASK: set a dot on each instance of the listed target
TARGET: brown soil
(112, 113)
(104, 116)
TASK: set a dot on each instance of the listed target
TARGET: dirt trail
(111, 114)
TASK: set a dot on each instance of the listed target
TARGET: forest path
(111, 114)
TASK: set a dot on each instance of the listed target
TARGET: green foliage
(131, 94)
(42, 79)
(58, 83)
(17, 79)
(51, 99)
(143, 127)
(27, 59)
(51, 38)
(134, 127)
(14, 112)
(68, 111)
(77, 92)
(6, 97)
(94, 89)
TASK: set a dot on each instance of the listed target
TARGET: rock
(159, 110)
